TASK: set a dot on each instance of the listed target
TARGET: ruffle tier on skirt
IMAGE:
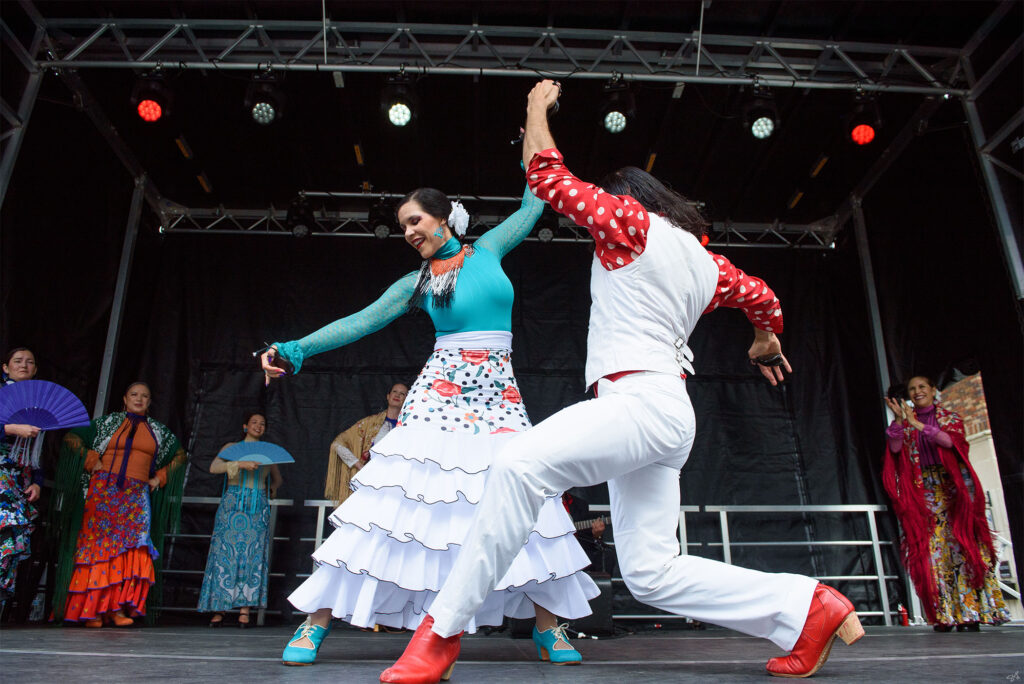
(396, 536)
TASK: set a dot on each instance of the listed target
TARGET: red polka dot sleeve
(737, 290)
(617, 224)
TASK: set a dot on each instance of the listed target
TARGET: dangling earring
(245, 429)
(439, 232)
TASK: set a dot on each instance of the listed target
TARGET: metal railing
(727, 545)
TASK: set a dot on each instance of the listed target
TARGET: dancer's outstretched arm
(504, 237)
(392, 304)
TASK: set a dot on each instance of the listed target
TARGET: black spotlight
(151, 97)
(760, 115)
(381, 219)
(398, 101)
(264, 101)
(619, 108)
(863, 123)
(300, 218)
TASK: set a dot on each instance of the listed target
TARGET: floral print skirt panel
(114, 556)
(17, 518)
(958, 601)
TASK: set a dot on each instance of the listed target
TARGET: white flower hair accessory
(458, 220)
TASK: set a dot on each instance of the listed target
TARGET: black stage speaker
(599, 622)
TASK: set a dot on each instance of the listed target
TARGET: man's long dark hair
(655, 197)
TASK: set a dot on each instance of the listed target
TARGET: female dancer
(133, 468)
(935, 492)
(19, 483)
(397, 534)
(236, 569)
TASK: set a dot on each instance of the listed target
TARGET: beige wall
(983, 458)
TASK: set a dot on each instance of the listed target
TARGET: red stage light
(862, 134)
(150, 110)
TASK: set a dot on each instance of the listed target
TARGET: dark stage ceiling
(459, 139)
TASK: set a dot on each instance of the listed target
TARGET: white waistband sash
(478, 339)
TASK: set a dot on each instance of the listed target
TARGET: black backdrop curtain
(198, 305)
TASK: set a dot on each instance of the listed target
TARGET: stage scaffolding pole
(867, 270)
(120, 290)
(1004, 223)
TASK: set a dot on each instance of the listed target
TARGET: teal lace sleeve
(501, 239)
(392, 304)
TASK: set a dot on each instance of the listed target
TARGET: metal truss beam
(16, 120)
(356, 224)
(500, 51)
(986, 143)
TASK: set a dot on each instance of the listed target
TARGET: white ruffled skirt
(396, 536)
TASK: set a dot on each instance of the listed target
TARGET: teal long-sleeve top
(482, 300)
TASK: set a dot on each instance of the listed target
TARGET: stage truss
(221, 220)
(500, 51)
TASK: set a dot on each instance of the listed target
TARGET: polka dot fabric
(737, 290)
(618, 224)
(466, 391)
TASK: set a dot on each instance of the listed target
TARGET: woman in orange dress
(133, 466)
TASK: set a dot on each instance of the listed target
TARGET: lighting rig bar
(356, 224)
(499, 51)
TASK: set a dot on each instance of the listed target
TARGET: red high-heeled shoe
(831, 615)
(427, 659)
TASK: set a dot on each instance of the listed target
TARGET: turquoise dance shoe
(306, 634)
(546, 641)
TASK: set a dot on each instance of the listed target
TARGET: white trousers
(636, 436)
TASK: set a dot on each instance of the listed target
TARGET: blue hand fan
(264, 453)
(46, 405)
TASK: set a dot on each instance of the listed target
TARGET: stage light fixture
(864, 122)
(382, 219)
(545, 235)
(151, 97)
(300, 218)
(264, 101)
(760, 115)
(398, 101)
(619, 107)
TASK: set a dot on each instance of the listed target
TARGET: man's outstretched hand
(537, 136)
(543, 95)
(766, 354)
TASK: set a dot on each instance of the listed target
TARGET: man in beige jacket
(350, 450)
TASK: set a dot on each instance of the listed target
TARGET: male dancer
(650, 282)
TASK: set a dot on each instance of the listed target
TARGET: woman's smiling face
(921, 392)
(424, 232)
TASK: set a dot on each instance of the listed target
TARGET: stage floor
(193, 653)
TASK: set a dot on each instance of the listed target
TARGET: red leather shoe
(427, 659)
(831, 615)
